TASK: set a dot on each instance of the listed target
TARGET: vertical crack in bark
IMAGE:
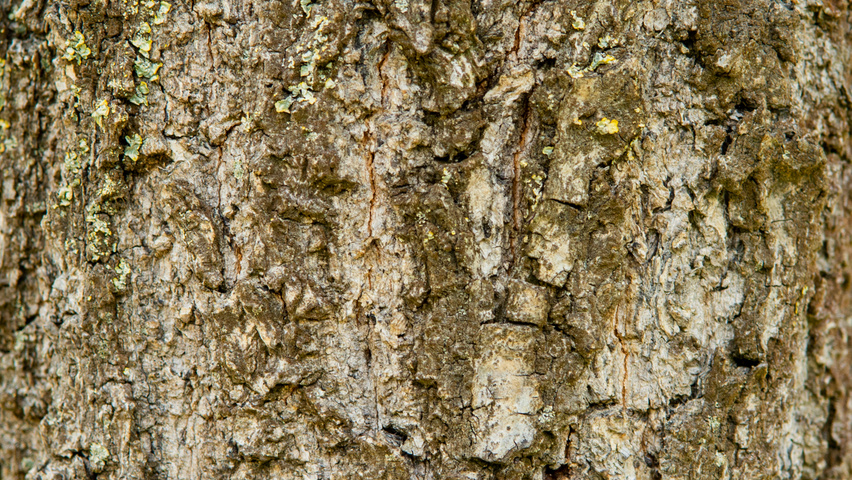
(238, 253)
(371, 171)
(521, 30)
(517, 216)
(518, 34)
(210, 46)
(372, 142)
(219, 181)
(370, 278)
(624, 365)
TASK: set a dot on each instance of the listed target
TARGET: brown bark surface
(410, 239)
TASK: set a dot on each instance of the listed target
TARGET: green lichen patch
(247, 122)
(578, 23)
(134, 143)
(145, 68)
(72, 163)
(298, 93)
(8, 144)
(576, 72)
(120, 282)
(312, 50)
(239, 171)
(142, 39)
(132, 6)
(599, 59)
(161, 15)
(101, 111)
(65, 196)
(98, 233)
(98, 455)
(283, 106)
(76, 48)
(72, 159)
(607, 41)
(140, 96)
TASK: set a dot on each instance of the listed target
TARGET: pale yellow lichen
(601, 59)
(445, 178)
(134, 143)
(65, 195)
(606, 126)
(298, 93)
(283, 106)
(101, 111)
(98, 453)
(120, 283)
(579, 23)
(160, 14)
(141, 95)
(575, 71)
(76, 48)
(402, 5)
(142, 39)
(607, 41)
(72, 163)
(239, 172)
(146, 69)
(247, 123)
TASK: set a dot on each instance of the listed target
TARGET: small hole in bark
(454, 158)
(746, 105)
(741, 361)
(725, 144)
(394, 435)
(546, 63)
(486, 228)
(561, 473)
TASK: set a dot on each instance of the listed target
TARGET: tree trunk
(413, 239)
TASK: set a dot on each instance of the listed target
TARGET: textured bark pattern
(444, 239)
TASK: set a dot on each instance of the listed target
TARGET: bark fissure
(625, 354)
(517, 170)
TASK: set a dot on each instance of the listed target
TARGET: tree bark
(441, 239)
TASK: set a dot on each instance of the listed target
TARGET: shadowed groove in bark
(522, 149)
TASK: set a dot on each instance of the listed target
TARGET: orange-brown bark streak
(372, 142)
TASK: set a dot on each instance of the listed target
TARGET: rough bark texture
(444, 239)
